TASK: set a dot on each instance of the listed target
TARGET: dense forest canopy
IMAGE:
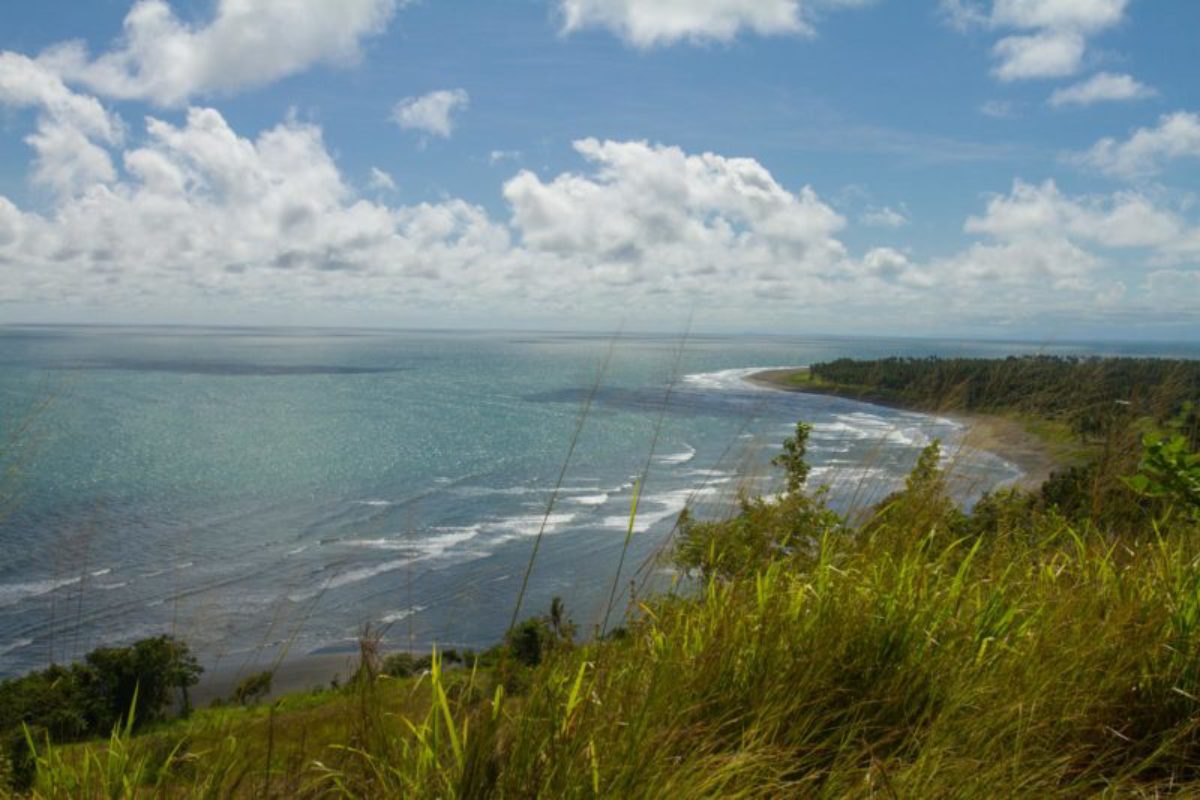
(1087, 393)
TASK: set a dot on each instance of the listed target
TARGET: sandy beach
(297, 674)
(1007, 438)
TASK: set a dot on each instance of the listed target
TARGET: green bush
(399, 665)
(253, 688)
(68, 703)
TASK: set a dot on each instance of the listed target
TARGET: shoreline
(293, 675)
(1002, 437)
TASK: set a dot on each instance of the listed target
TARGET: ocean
(260, 492)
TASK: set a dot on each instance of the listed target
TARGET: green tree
(795, 468)
(149, 670)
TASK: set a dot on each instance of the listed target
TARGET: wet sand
(296, 674)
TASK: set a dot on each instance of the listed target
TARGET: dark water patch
(228, 368)
(682, 401)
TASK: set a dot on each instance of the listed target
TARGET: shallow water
(252, 490)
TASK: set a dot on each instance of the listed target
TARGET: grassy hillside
(1045, 645)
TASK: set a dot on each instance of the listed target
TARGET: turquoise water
(251, 490)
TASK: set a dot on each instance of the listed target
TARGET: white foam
(530, 524)
(590, 499)
(727, 379)
(363, 573)
(682, 457)
(5, 649)
(101, 572)
(656, 508)
(841, 476)
(404, 613)
(863, 426)
(297, 551)
(545, 491)
(110, 586)
(13, 593)
(377, 544)
(374, 503)
(712, 475)
(427, 546)
(450, 536)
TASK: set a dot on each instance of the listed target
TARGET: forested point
(1091, 394)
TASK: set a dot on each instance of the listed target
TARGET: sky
(996, 168)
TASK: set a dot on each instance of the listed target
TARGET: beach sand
(298, 674)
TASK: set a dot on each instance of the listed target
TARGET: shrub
(254, 688)
(399, 665)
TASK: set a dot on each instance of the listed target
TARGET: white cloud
(1086, 16)
(198, 213)
(203, 212)
(651, 213)
(885, 217)
(1045, 252)
(1102, 87)
(1122, 219)
(68, 126)
(432, 113)
(1008, 271)
(647, 23)
(1053, 34)
(381, 180)
(1049, 54)
(1173, 289)
(165, 60)
(1177, 136)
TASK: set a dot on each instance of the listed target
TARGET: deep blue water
(247, 489)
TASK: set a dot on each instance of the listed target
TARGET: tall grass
(1041, 659)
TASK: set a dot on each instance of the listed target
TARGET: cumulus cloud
(165, 60)
(202, 211)
(1051, 35)
(1049, 54)
(1086, 16)
(647, 23)
(432, 114)
(1040, 252)
(1177, 136)
(651, 213)
(197, 212)
(1039, 211)
(68, 126)
(1100, 88)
